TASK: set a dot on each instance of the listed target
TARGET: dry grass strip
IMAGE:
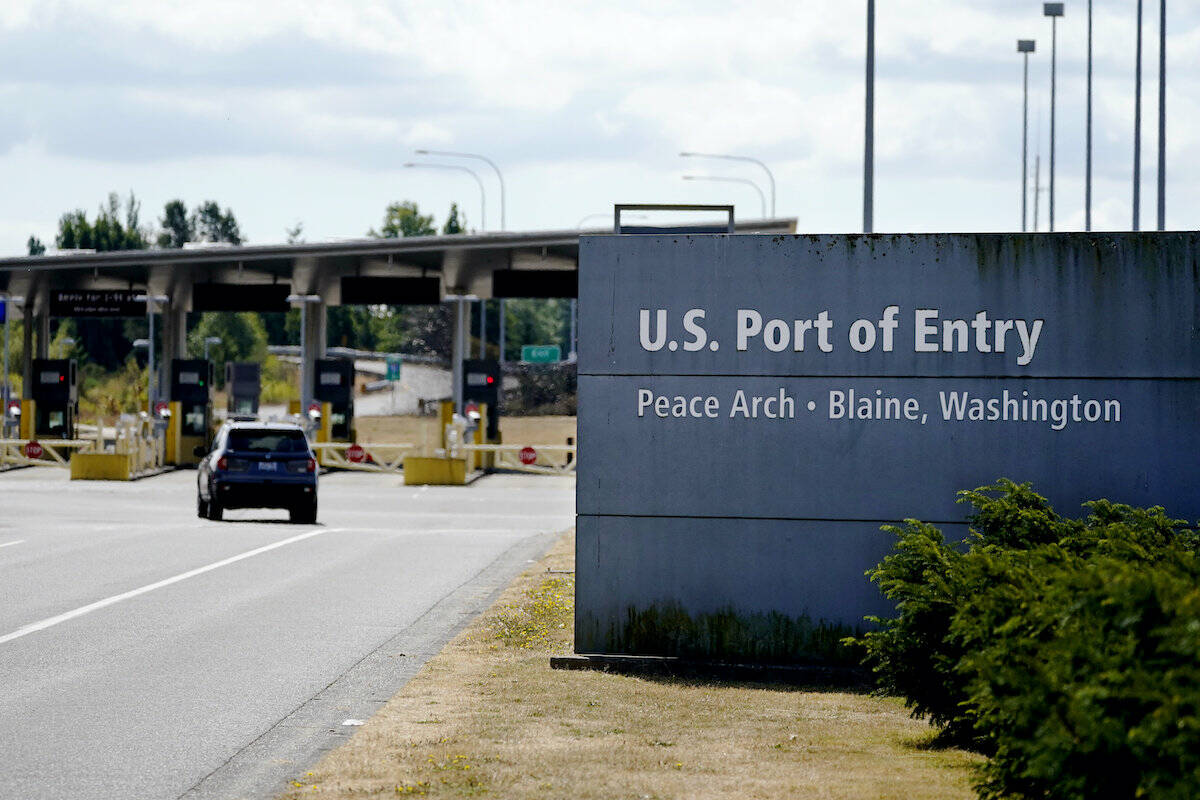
(488, 717)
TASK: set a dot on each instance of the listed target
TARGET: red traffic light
(490, 379)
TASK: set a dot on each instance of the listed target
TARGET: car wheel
(215, 512)
(304, 513)
(201, 507)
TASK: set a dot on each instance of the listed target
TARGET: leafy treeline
(105, 345)
(1067, 650)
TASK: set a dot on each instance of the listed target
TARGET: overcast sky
(305, 111)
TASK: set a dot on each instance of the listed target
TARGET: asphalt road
(145, 653)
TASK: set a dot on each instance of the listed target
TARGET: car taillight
(308, 465)
(222, 463)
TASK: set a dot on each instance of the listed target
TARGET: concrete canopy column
(458, 351)
(27, 352)
(43, 334)
(174, 343)
(313, 347)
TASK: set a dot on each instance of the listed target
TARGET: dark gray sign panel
(753, 408)
(240, 297)
(97, 303)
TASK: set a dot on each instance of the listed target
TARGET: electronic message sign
(97, 303)
(753, 408)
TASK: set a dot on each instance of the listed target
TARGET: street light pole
(490, 163)
(761, 198)
(1137, 126)
(472, 173)
(1053, 11)
(765, 168)
(1162, 115)
(1087, 192)
(869, 133)
(1025, 47)
(210, 340)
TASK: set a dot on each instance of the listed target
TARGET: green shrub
(911, 655)
(1069, 650)
(1083, 673)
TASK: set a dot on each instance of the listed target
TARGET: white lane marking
(49, 622)
(10, 544)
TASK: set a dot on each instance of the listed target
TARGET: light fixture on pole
(1025, 47)
(210, 340)
(472, 173)
(607, 215)
(770, 177)
(478, 157)
(151, 301)
(304, 300)
(1053, 11)
(762, 199)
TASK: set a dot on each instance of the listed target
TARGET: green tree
(113, 229)
(295, 234)
(177, 228)
(453, 223)
(105, 342)
(404, 219)
(535, 321)
(243, 337)
(36, 248)
(422, 330)
(213, 225)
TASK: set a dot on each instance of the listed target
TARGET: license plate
(268, 466)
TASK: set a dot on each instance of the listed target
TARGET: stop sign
(33, 450)
(528, 455)
(355, 453)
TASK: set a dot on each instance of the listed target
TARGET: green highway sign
(541, 354)
(393, 369)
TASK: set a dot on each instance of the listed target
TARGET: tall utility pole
(1087, 191)
(1037, 188)
(1162, 115)
(1137, 126)
(869, 138)
(1053, 11)
(1025, 47)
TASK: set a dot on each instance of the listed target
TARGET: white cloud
(588, 101)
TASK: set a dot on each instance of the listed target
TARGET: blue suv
(258, 465)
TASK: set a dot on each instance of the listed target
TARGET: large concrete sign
(753, 408)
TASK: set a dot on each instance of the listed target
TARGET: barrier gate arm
(12, 451)
(508, 456)
(334, 455)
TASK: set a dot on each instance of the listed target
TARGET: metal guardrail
(375, 457)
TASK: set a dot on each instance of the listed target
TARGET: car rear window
(267, 441)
